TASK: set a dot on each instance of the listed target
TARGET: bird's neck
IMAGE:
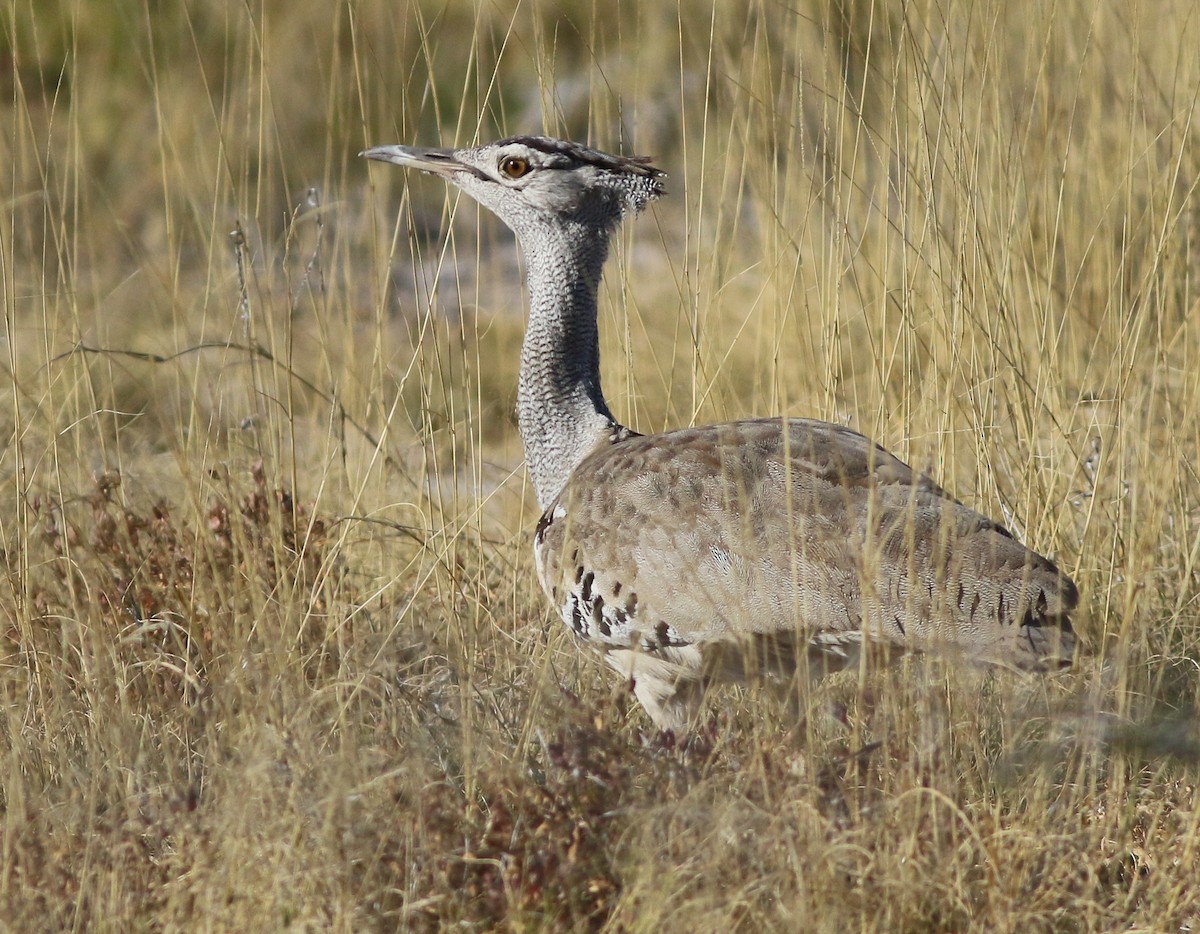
(560, 407)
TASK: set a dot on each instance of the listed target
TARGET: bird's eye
(515, 166)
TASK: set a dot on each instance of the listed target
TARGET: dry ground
(272, 653)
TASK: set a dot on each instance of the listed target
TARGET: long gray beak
(441, 162)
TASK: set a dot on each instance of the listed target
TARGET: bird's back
(661, 545)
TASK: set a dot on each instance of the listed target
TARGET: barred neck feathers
(560, 405)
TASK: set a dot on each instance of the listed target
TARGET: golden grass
(274, 655)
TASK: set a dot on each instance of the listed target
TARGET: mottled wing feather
(785, 527)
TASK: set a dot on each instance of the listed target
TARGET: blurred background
(274, 654)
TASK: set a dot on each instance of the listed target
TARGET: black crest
(632, 165)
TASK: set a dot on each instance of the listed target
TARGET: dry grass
(273, 654)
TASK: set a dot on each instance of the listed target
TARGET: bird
(749, 550)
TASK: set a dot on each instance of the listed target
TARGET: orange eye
(515, 166)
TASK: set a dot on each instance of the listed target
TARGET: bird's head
(529, 180)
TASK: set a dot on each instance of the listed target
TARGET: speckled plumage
(721, 552)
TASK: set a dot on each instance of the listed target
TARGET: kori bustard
(759, 547)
